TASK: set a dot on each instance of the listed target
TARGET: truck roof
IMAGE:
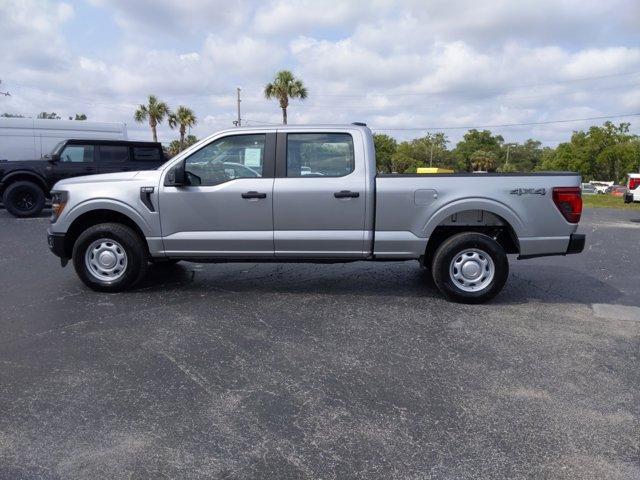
(319, 126)
(113, 142)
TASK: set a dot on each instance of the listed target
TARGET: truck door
(227, 208)
(75, 160)
(319, 195)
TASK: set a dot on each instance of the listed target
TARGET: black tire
(163, 261)
(443, 267)
(23, 199)
(124, 237)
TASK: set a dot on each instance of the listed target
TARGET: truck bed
(410, 207)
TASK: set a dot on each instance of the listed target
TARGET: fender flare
(39, 179)
(472, 203)
(113, 205)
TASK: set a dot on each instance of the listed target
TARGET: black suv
(24, 185)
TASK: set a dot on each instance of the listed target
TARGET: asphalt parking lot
(322, 371)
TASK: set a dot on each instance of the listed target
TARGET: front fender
(497, 208)
(147, 227)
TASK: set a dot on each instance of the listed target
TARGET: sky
(404, 68)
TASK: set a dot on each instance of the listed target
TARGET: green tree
(600, 153)
(283, 87)
(184, 118)
(11, 115)
(474, 141)
(79, 116)
(386, 146)
(175, 146)
(521, 157)
(48, 116)
(421, 152)
(483, 160)
(154, 111)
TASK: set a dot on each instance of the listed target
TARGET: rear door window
(319, 155)
(114, 153)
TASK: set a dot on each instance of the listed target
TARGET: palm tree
(184, 117)
(284, 87)
(154, 111)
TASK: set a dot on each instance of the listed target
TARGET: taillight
(569, 202)
(634, 183)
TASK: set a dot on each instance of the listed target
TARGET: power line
(486, 97)
(469, 127)
(261, 122)
(531, 85)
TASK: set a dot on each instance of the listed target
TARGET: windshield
(58, 147)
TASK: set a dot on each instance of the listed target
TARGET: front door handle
(253, 194)
(346, 194)
(89, 169)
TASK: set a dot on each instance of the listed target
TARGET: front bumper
(56, 243)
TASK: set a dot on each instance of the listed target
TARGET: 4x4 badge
(528, 191)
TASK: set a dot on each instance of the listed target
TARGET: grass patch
(608, 201)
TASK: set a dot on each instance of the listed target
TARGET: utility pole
(507, 161)
(431, 159)
(238, 122)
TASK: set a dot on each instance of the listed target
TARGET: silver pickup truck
(312, 194)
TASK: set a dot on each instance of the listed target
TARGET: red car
(618, 190)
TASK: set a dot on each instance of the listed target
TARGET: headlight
(58, 202)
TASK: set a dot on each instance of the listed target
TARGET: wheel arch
(87, 219)
(474, 215)
(24, 175)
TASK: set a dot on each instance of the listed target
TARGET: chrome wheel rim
(472, 270)
(106, 260)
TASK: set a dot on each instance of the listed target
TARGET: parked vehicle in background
(618, 190)
(461, 226)
(601, 186)
(633, 188)
(24, 185)
(588, 189)
(30, 139)
(432, 170)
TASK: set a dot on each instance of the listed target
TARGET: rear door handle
(253, 194)
(346, 194)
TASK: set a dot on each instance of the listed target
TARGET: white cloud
(396, 64)
(31, 33)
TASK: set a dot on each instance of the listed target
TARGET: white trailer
(30, 139)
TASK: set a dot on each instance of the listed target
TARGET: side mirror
(177, 176)
(51, 158)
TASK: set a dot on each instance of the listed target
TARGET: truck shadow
(543, 283)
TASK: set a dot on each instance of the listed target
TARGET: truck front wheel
(109, 257)
(23, 199)
(470, 267)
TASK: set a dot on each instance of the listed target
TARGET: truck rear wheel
(470, 268)
(109, 257)
(23, 199)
